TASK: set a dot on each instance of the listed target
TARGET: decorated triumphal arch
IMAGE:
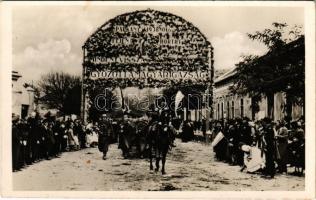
(146, 48)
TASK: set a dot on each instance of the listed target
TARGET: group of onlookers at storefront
(37, 138)
(261, 146)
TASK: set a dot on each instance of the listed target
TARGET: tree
(281, 69)
(60, 91)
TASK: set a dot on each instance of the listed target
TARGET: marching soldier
(104, 136)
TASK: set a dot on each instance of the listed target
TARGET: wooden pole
(83, 93)
(209, 92)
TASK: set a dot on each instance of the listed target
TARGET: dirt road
(190, 166)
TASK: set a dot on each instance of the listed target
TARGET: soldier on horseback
(160, 137)
(166, 120)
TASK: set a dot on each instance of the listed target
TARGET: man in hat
(245, 131)
(219, 143)
(25, 147)
(78, 129)
(16, 143)
(57, 131)
(268, 134)
(172, 132)
(33, 123)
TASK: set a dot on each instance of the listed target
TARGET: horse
(159, 139)
(141, 137)
(126, 132)
(133, 134)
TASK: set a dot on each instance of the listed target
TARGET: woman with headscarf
(282, 145)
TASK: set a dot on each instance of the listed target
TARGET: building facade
(228, 106)
(22, 97)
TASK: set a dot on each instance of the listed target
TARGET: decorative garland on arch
(193, 54)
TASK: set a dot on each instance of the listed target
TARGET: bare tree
(61, 91)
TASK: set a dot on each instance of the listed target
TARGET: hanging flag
(117, 94)
(179, 97)
(217, 139)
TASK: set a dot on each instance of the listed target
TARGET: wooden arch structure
(146, 48)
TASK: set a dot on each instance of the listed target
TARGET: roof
(228, 74)
(298, 43)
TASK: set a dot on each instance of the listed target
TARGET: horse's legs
(295, 170)
(123, 151)
(142, 147)
(151, 157)
(157, 159)
(157, 163)
(164, 155)
(301, 171)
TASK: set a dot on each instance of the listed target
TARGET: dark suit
(16, 145)
(57, 131)
(270, 150)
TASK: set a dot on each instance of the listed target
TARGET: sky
(49, 38)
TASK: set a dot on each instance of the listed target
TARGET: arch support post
(209, 93)
(84, 94)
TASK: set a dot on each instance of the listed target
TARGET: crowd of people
(261, 146)
(37, 138)
(265, 146)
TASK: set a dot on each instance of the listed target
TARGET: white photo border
(6, 99)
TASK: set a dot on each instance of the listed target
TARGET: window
(241, 107)
(218, 116)
(228, 111)
(222, 110)
(233, 109)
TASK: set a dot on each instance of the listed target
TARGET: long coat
(282, 142)
(104, 137)
(188, 133)
(270, 150)
(15, 146)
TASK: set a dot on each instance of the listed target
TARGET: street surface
(190, 166)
